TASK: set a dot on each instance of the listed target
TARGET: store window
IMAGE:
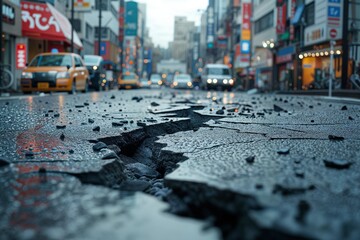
(265, 22)
(309, 14)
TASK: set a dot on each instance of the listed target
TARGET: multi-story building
(183, 30)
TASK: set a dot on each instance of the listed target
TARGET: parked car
(55, 72)
(128, 80)
(217, 76)
(182, 81)
(155, 80)
(145, 83)
(96, 72)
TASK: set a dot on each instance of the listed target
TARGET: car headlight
(215, 80)
(159, 82)
(225, 81)
(209, 81)
(175, 84)
(189, 84)
(95, 68)
(26, 75)
(62, 75)
(231, 81)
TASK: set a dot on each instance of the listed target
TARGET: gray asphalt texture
(166, 164)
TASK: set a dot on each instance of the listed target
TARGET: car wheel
(73, 87)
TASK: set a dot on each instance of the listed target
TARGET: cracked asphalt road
(163, 164)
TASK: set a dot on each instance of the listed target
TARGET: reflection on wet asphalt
(161, 164)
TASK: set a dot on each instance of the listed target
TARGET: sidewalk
(347, 93)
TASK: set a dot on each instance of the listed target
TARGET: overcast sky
(161, 13)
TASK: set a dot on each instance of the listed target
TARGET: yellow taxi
(128, 80)
(55, 72)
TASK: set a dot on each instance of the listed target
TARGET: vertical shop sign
(210, 31)
(292, 14)
(245, 43)
(20, 54)
(281, 17)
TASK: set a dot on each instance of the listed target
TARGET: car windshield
(183, 78)
(51, 61)
(218, 71)
(155, 77)
(129, 77)
(92, 60)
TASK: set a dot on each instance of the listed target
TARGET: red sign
(281, 19)
(246, 24)
(43, 21)
(333, 33)
(292, 28)
(20, 55)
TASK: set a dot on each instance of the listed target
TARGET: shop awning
(43, 21)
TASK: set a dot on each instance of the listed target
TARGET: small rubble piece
(299, 173)
(302, 210)
(278, 109)
(62, 137)
(110, 155)
(96, 129)
(91, 120)
(220, 112)
(250, 159)
(337, 163)
(112, 97)
(344, 108)
(335, 138)
(140, 170)
(117, 124)
(79, 106)
(350, 118)
(71, 151)
(42, 170)
(137, 99)
(98, 146)
(3, 163)
(60, 126)
(135, 185)
(283, 151)
(154, 104)
(56, 115)
(86, 104)
(29, 154)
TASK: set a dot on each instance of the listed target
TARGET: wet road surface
(160, 164)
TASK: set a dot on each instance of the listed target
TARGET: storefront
(47, 29)
(11, 31)
(285, 67)
(316, 67)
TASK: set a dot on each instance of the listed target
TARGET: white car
(155, 80)
(182, 81)
(217, 76)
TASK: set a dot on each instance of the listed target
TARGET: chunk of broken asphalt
(60, 126)
(344, 108)
(337, 163)
(283, 151)
(335, 138)
(96, 129)
(3, 163)
(140, 170)
(117, 124)
(220, 112)
(98, 146)
(278, 109)
(154, 104)
(91, 120)
(110, 155)
(250, 159)
(62, 137)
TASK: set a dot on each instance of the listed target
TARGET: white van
(217, 76)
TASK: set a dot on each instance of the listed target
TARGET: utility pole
(345, 45)
(72, 26)
(1, 32)
(99, 35)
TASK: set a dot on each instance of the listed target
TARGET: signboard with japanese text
(131, 19)
(245, 43)
(210, 30)
(20, 54)
(82, 5)
(281, 17)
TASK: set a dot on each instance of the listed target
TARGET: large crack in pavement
(142, 164)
